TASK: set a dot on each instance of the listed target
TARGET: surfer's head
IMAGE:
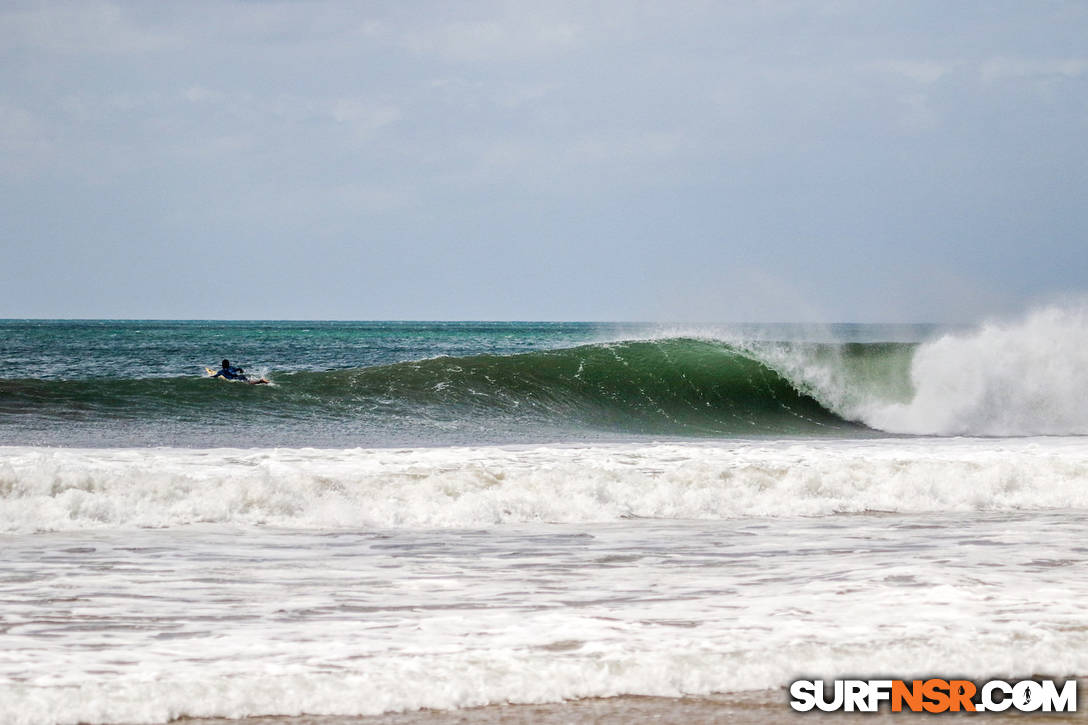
(226, 363)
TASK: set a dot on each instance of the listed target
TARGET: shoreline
(740, 708)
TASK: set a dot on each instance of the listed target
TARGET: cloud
(925, 72)
(503, 39)
(569, 165)
(918, 113)
(25, 143)
(995, 70)
(364, 117)
(781, 127)
(96, 28)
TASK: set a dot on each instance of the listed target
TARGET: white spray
(1028, 377)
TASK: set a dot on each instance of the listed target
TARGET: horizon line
(473, 321)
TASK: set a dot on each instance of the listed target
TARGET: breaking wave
(1028, 377)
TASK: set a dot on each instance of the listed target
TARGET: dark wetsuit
(231, 373)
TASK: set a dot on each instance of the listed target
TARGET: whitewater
(450, 516)
(47, 489)
(1019, 378)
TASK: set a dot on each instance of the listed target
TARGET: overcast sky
(688, 161)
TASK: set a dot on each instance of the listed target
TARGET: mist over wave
(1017, 378)
(1027, 377)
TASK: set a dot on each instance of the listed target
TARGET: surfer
(232, 373)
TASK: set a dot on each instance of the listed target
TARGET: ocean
(510, 521)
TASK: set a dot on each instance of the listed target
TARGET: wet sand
(749, 708)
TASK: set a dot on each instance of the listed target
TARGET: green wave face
(672, 387)
(681, 387)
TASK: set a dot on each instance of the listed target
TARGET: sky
(818, 161)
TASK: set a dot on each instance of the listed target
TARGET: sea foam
(43, 489)
(1012, 378)
(1022, 378)
(153, 625)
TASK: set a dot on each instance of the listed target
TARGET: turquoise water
(345, 384)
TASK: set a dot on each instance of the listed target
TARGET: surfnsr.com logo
(934, 695)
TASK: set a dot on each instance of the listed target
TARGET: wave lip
(74, 489)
